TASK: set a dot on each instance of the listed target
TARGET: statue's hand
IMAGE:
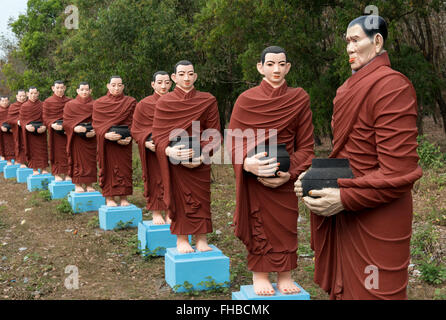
(298, 185)
(275, 182)
(41, 129)
(150, 145)
(112, 136)
(178, 153)
(90, 134)
(4, 129)
(80, 129)
(327, 205)
(125, 142)
(261, 168)
(30, 128)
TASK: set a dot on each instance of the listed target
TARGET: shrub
(430, 155)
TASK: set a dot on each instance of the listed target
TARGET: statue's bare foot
(90, 189)
(168, 220)
(45, 172)
(78, 188)
(9, 163)
(124, 202)
(285, 283)
(158, 218)
(183, 245)
(110, 202)
(67, 178)
(58, 178)
(35, 173)
(202, 243)
(22, 166)
(262, 285)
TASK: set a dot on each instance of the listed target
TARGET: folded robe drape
(374, 126)
(6, 138)
(141, 129)
(52, 111)
(114, 160)
(186, 191)
(13, 117)
(81, 151)
(265, 218)
(36, 146)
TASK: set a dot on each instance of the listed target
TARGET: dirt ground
(38, 243)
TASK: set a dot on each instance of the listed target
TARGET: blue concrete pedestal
(247, 293)
(60, 189)
(118, 217)
(39, 182)
(154, 239)
(196, 268)
(23, 174)
(85, 201)
(10, 171)
(3, 163)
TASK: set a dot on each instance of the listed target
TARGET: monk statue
(361, 231)
(186, 183)
(81, 139)
(6, 138)
(112, 121)
(34, 132)
(52, 117)
(13, 121)
(142, 133)
(266, 212)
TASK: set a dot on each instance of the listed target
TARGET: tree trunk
(442, 105)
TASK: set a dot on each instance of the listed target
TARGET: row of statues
(364, 222)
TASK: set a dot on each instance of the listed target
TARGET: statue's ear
(260, 68)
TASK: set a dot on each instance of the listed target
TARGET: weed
(430, 154)
(423, 241)
(432, 272)
(121, 225)
(64, 207)
(93, 222)
(45, 195)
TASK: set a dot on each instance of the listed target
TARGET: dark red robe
(187, 192)
(141, 129)
(6, 138)
(13, 117)
(81, 151)
(114, 160)
(53, 111)
(266, 218)
(36, 146)
(374, 126)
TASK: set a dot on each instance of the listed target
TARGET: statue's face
(361, 50)
(33, 95)
(162, 84)
(115, 87)
(84, 91)
(4, 102)
(185, 77)
(274, 69)
(21, 96)
(59, 89)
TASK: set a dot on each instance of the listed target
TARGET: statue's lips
(352, 60)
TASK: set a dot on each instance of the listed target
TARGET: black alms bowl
(324, 173)
(275, 151)
(59, 122)
(36, 125)
(189, 143)
(123, 130)
(86, 125)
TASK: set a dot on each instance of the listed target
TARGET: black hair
(58, 82)
(84, 83)
(368, 24)
(182, 63)
(114, 77)
(4, 97)
(21, 90)
(272, 49)
(162, 73)
(30, 88)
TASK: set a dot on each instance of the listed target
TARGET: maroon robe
(6, 138)
(36, 146)
(141, 129)
(115, 160)
(187, 192)
(266, 218)
(81, 151)
(53, 111)
(13, 117)
(374, 126)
